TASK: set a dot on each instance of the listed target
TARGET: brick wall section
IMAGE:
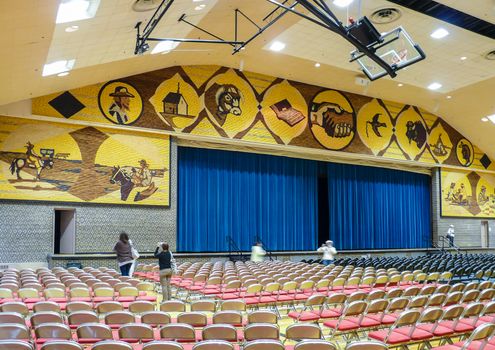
(467, 230)
(26, 230)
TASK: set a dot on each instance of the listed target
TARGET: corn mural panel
(66, 163)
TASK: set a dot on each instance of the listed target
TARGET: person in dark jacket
(165, 261)
(124, 254)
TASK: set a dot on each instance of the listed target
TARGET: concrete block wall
(26, 230)
(467, 230)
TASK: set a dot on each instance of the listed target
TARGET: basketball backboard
(395, 48)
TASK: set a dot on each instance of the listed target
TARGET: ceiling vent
(490, 55)
(145, 5)
(385, 15)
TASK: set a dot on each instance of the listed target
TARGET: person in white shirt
(257, 252)
(328, 251)
(451, 235)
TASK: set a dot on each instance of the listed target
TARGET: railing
(268, 251)
(445, 243)
(235, 252)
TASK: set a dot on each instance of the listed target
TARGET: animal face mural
(465, 152)
(228, 100)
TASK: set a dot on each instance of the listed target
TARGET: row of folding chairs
(203, 345)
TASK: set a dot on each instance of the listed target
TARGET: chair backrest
(12, 344)
(156, 318)
(264, 344)
(112, 345)
(46, 306)
(366, 345)
(482, 333)
(261, 331)
(136, 331)
(431, 315)
(178, 331)
(195, 319)
(53, 331)
(128, 291)
(12, 317)
(15, 306)
(220, 332)
(458, 287)
(213, 345)
(407, 318)
(46, 317)
(418, 301)
(94, 331)
(233, 305)
(119, 317)
(14, 331)
(173, 306)
(316, 300)
(355, 308)
(80, 317)
(398, 304)
(452, 312)
(78, 306)
(262, 316)
(299, 331)
(228, 317)
(336, 298)
(61, 345)
(377, 306)
(104, 292)
(315, 344)
(53, 292)
(162, 345)
(203, 305)
(109, 306)
(141, 306)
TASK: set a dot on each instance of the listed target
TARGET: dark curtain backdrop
(376, 208)
(243, 195)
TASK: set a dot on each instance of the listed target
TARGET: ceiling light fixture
(342, 3)
(492, 118)
(277, 46)
(439, 33)
(463, 58)
(317, 64)
(58, 67)
(164, 47)
(198, 0)
(449, 97)
(484, 119)
(200, 7)
(76, 10)
(400, 84)
(63, 74)
(71, 29)
(434, 86)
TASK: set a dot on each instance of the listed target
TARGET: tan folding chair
(12, 317)
(220, 332)
(90, 333)
(41, 306)
(15, 306)
(195, 319)
(136, 332)
(111, 345)
(12, 344)
(303, 331)
(261, 331)
(262, 316)
(45, 317)
(178, 332)
(233, 318)
(52, 331)
(173, 306)
(115, 319)
(264, 344)
(109, 306)
(78, 306)
(140, 306)
(77, 318)
(213, 345)
(162, 345)
(366, 345)
(156, 318)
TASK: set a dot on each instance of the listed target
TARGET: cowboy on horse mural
(31, 160)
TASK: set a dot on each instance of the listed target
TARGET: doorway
(485, 243)
(64, 231)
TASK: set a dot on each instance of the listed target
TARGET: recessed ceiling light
(492, 118)
(277, 46)
(400, 84)
(484, 119)
(200, 7)
(198, 0)
(342, 3)
(164, 47)
(449, 97)
(71, 29)
(76, 10)
(439, 33)
(58, 67)
(317, 64)
(63, 74)
(463, 58)
(434, 86)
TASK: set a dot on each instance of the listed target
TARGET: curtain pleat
(375, 208)
(243, 195)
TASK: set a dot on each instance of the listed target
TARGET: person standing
(257, 252)
(328, 251)
(165, 261)
(124, 253)
(451, 235)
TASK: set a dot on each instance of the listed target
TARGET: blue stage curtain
(243, 195)
(376, 208)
